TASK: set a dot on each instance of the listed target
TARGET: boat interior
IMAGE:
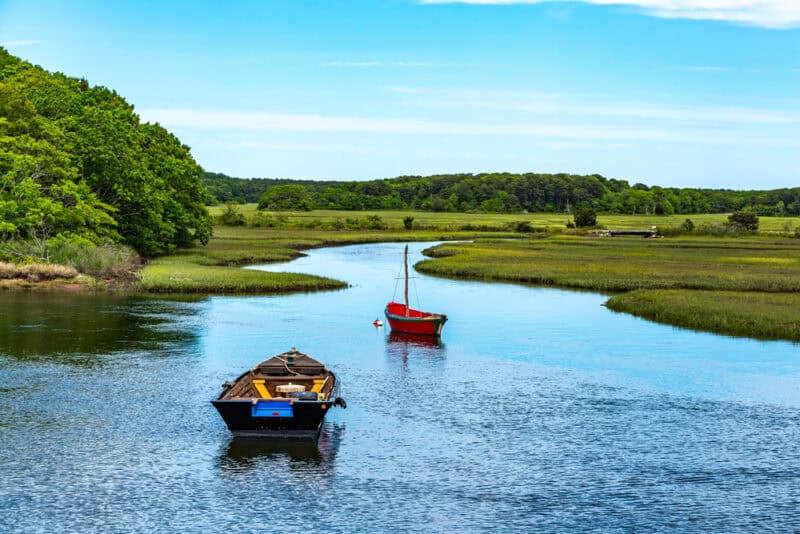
(399, 309)
(288, 375)
(255, 385)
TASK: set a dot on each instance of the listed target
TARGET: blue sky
(669, 92)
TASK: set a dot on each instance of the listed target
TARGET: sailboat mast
(405, 263)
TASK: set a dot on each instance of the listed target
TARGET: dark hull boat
(286, 396)
(406, 320)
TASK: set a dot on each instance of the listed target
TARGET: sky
(701, 93)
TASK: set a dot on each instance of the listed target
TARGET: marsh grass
(36, 272)
(625, 264)
(751, 314)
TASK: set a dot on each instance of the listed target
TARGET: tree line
(78, 166)
(497, 193)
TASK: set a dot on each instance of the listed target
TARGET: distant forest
(497, 193)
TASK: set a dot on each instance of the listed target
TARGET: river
(540, 409)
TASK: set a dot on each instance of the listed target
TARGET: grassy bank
(216, 268)
(624, 264)
(751, 314)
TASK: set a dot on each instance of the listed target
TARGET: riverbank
(744, 286)
(216, 268)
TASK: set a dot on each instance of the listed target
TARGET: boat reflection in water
(401, 346)
(249, 453)
(416, 340)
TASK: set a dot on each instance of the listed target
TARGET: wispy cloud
(704, 68)
(300, 147)
(544, 103)
(28, 42)
(367, 64)
(766, 13)
(202, 119)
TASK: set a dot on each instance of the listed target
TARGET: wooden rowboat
(287, 395)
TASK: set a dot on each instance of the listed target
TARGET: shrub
(570, 224)
(523, 226)
(585, 217)
(374, 222)
(232, 215)
(104, 261)
(408, 222)
(743, 221)
(263, 220)
(687, 225)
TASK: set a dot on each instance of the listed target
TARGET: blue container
(272, 408)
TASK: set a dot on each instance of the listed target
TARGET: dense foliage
(744, 220)
(509, 193)
(77, 165)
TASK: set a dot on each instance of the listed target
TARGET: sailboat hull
(415, 321)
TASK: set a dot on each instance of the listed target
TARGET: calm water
(540, 410)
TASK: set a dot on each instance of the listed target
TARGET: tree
(744, 221)
(286, 197)
(88, 168)
(585, 217)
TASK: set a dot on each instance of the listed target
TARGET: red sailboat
(407, 320)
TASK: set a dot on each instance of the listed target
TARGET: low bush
(232, 215)
(585, 217)
(104, 261)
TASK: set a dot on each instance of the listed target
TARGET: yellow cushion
(318, 382)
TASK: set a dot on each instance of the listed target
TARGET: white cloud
(237, 120)
(357, 64)
(19, 43)
(299, 147)
(766, 13)
(353, 63)
(544, 103)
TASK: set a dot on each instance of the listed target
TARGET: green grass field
(554, 221)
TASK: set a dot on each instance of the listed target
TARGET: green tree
(286, 197)
(86, 167)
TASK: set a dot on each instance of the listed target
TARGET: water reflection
(75, 328)
(401, 347)
(415, 340)
(250, 453)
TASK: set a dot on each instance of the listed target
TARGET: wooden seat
(318, 383)
(261, 388)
